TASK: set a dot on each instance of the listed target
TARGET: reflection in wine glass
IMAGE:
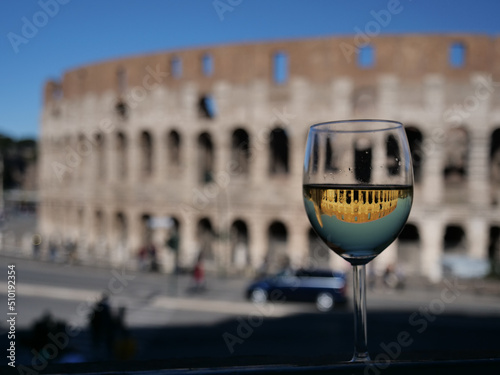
(358, 192)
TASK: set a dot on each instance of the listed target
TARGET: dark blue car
(323, 287)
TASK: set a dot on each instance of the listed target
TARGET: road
(167, 321)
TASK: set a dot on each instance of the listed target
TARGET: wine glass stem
(360, 337)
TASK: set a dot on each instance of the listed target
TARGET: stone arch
(207, 107)
(494, 249)
(146, 153)
(409, 243)
(174, 144)
(121, 155)
(279, 154)
(393, 153)
(100, 233)
(280, 67)
(173, 241)
(205, 158)
(100, 144)
(277, 255)
(240, 151)
(495, 166)
(456, 154)
(454, 241)
(121, 228)
(415, 140)
(205, 236)
(121, 237)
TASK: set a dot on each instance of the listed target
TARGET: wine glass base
(360, 357)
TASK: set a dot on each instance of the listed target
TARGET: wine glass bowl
(358, 192)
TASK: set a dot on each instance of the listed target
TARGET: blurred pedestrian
(199, 275)
(101, 326)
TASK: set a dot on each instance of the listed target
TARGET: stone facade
(213, 138)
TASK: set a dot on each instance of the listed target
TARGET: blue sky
(71, 33)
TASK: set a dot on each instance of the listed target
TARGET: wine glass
(358, 192)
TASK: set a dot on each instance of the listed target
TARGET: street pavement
(165, 321)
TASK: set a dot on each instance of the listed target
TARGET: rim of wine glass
(392, 125)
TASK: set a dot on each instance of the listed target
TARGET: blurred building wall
(214, 138)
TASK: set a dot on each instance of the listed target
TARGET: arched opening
(457, 55)
(121, 229)
(278, 145)
(146, 230)
(409, 250)
(240, 255)
(205, 158)
(121, 109)
(280, 68)
(206, 107)
(174, 149)
(207, 65)
(415, 140)
(330, 160)
(176, 67)
(121, 155)
(366, 56)
(240, 151)
(146, 148)
(456, 153)
(363, 160)
(100, 143)
(173, 241)
(494, 250)
(454, 240)
(277, 257)
(100, 234)
(319, 253)
(393, 153)
(495, 166)
(205, 236)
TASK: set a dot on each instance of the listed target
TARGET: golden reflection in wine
(354, 205)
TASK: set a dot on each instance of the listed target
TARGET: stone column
(188, 245)
(387, 96)
(432, 152)
(432, 182)
(159, 157)
(478, 237)
(298, 243)
(432, 235)
(134, 158)
(257, 231)
(478, 168)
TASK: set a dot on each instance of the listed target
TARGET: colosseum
(200, 151)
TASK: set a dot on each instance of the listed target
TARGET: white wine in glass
(358, 193)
